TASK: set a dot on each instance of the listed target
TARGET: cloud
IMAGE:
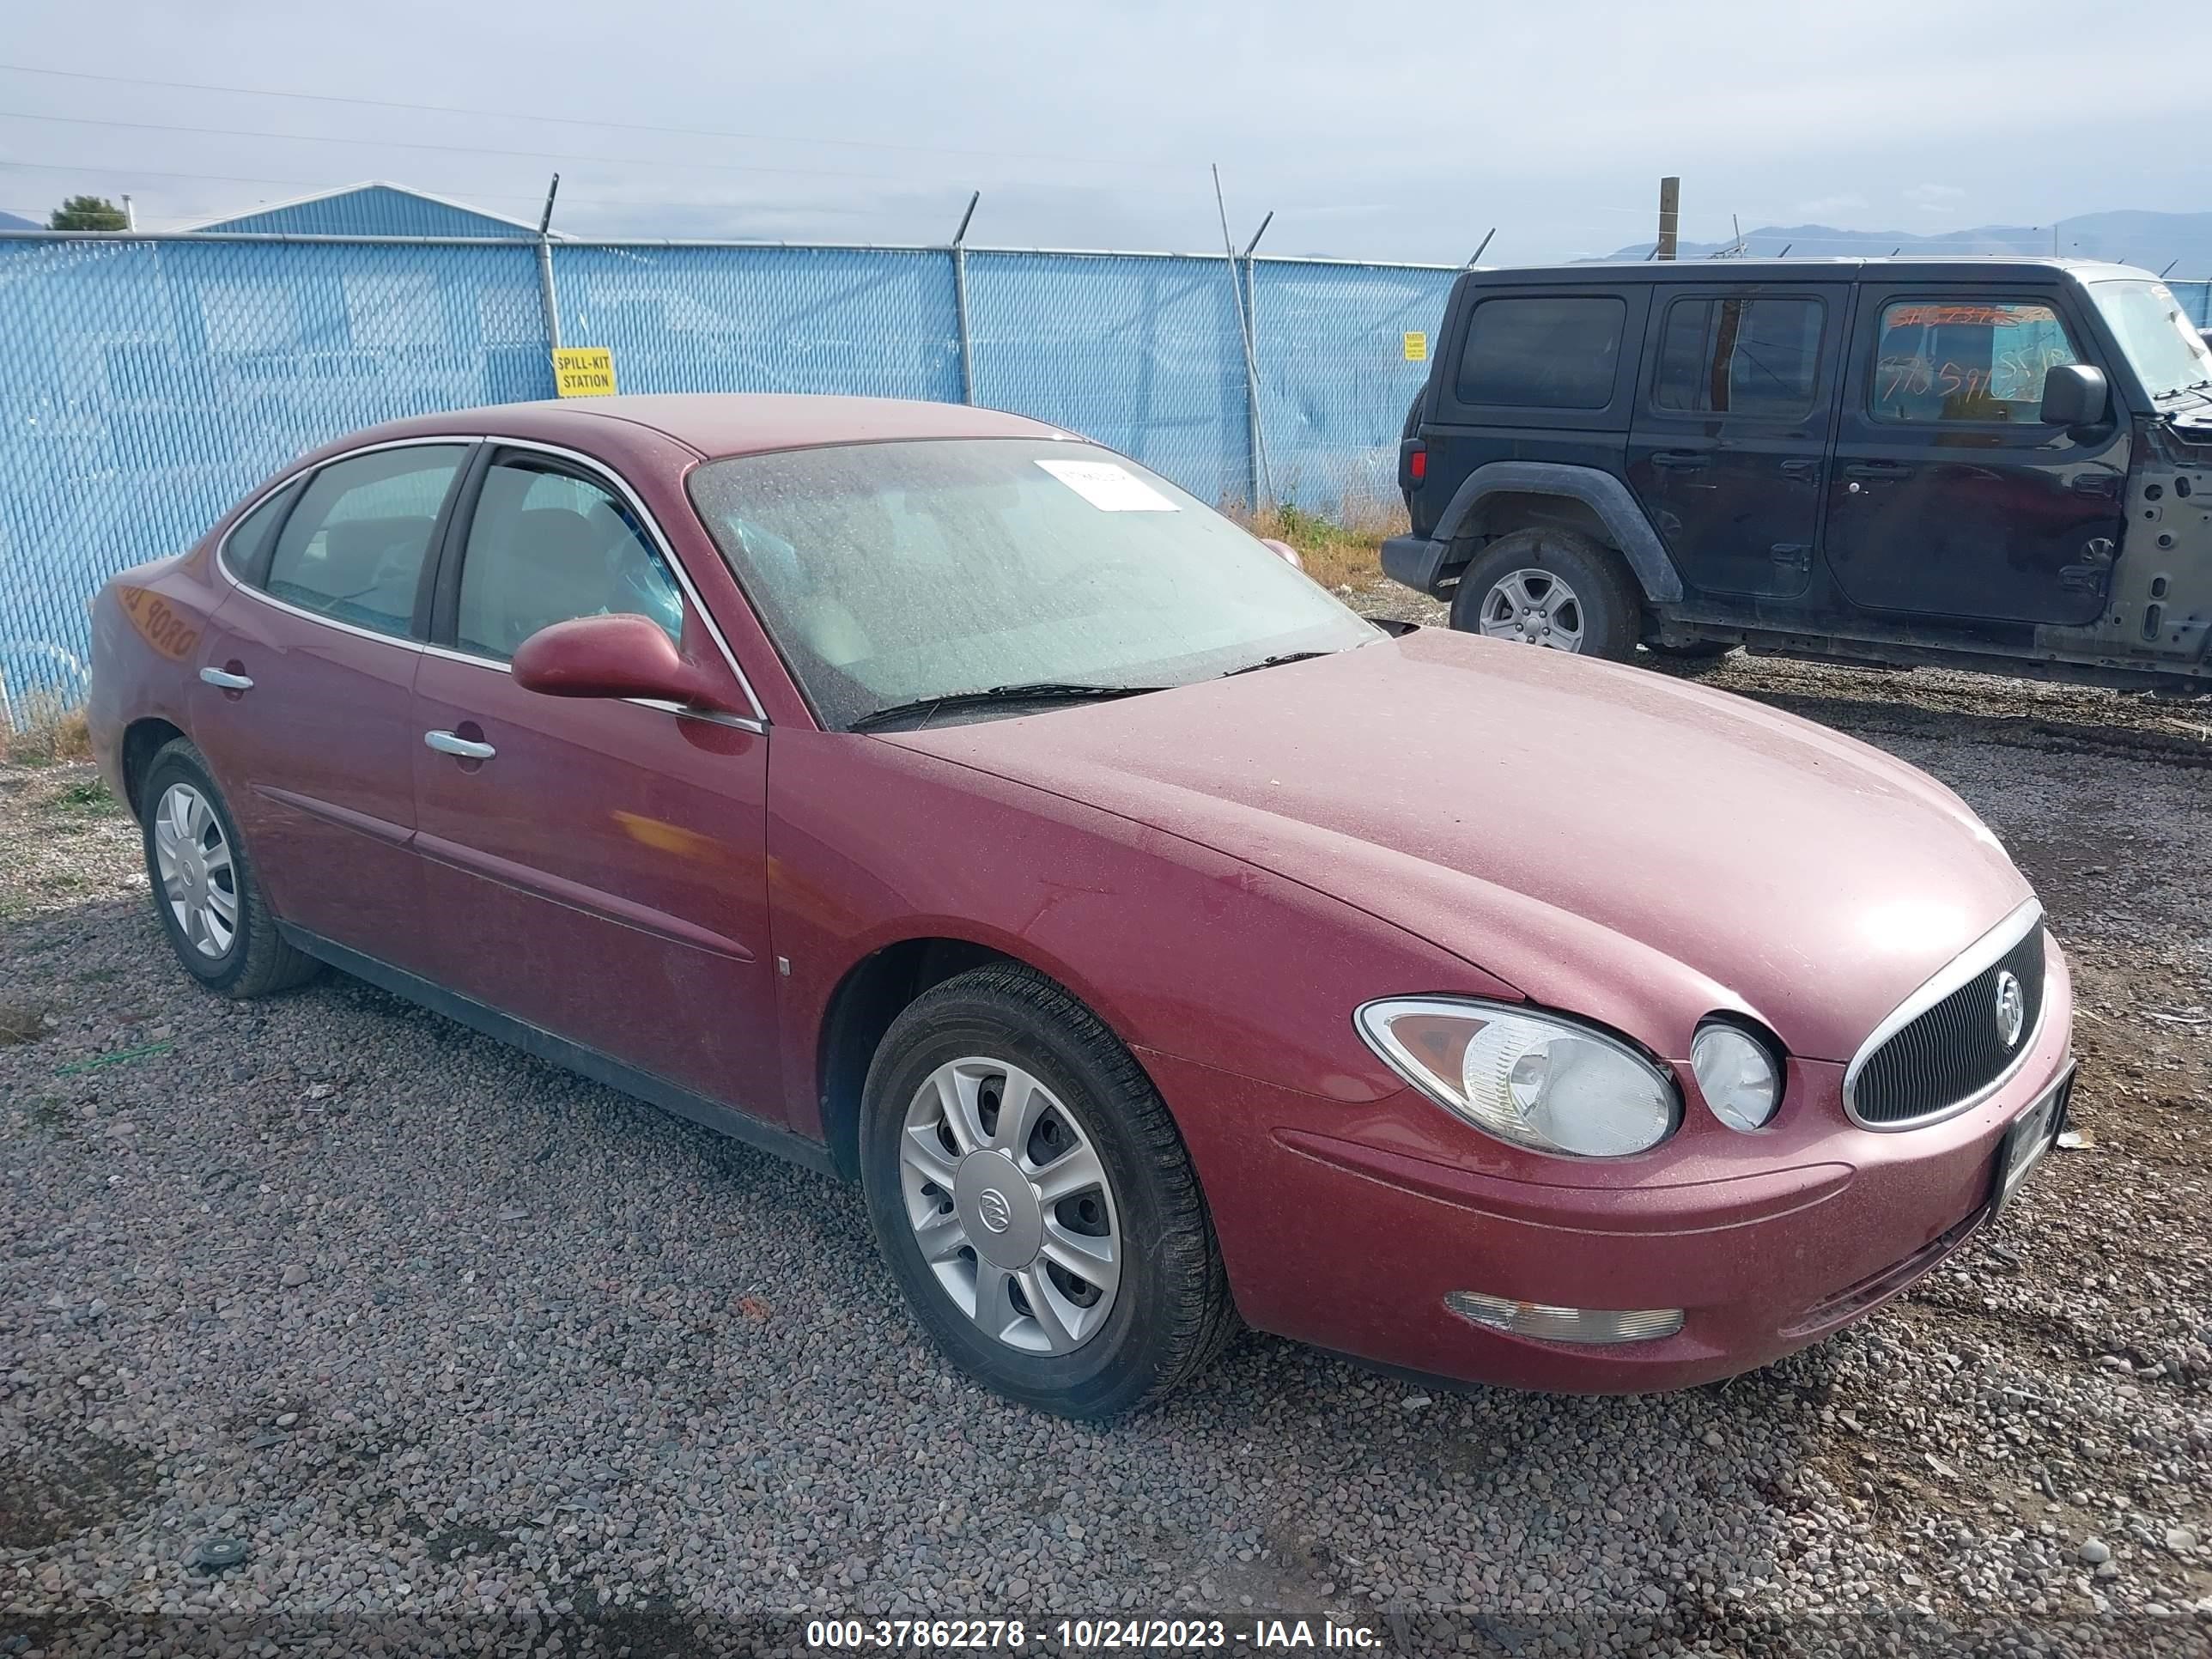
(1935, 198)
(1828, 207)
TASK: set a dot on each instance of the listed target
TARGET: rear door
(305, 704)
(1951, 498)
(1729, 448)
(595, 867)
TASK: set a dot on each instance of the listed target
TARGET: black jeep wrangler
(1995, 463)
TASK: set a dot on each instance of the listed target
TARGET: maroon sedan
(889, 785)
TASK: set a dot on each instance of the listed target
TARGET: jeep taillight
(1417, 465)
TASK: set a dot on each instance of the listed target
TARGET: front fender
(1181, 950)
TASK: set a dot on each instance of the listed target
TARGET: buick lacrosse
(944, 802)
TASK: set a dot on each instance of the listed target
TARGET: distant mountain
(2131, 237)
(12, 222)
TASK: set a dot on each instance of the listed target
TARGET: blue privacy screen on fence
(878, 322)
(152, 383)
(1334, 377)
(153, 380)
(157, 379)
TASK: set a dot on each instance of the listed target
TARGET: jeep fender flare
(1602, 493)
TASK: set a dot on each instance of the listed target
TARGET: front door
(1731, 436)
(1951, 498)
(596, 867)
(305, 704)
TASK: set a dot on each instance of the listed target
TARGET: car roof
(1976, 269)
(717, 423)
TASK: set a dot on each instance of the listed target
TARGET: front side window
(547, 546)
(2161, 341)
(890, 572)
(354, 548)
(1966, 361)
(1755, 357)
(1543, 352)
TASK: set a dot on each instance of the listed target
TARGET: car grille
(1954, 1051)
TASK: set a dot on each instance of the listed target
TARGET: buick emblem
(2011, 1012)
(995, 1212)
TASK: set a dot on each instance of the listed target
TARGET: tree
(87, 213)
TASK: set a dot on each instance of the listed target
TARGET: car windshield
(2155, 331)
(893, 572)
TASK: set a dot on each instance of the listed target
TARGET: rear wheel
(1035, 1201)
(1550, 587)
(203, 881)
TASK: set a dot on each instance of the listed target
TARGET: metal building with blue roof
(372, 208)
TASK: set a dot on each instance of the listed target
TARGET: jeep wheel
(1550, 587)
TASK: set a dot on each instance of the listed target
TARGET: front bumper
(1334, 1235)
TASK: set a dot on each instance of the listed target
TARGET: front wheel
(1035, 1201)
(1553, 588)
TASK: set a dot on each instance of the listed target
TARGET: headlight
(1736, 1074)
(1534, 1080)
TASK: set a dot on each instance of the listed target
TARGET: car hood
(1605, 840)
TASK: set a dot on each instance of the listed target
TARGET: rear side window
(245, 550)
(353, 549)
(1753, 357)
(1543, 352)
(1979, 361)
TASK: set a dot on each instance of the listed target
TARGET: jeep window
(2167, 352)
(1543, 353)
(1758, 357)
(1969, 361)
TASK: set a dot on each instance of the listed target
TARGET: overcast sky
(1372, 130)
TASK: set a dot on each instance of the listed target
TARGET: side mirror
(1284, 551)
(2074, 394)
(623, 656)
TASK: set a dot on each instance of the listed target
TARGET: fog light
(1565, 1324)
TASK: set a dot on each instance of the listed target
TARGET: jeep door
(1951, 498)
(1732, 409)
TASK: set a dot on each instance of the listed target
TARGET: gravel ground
(470, 1356)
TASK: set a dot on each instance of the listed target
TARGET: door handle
(1801, 467)
(1679, 460)
(227, 681)
(446, 744)
(1877, 470)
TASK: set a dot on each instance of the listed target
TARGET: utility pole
(1671, 217)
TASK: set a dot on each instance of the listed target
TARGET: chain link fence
(2196, 297)
(156, 378)
(153, 380)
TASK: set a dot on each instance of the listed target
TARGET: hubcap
(198, 881)
(1010, 1205)
(1533, 607)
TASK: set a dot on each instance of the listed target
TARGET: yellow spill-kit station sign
(1416, 347)
(584, 371)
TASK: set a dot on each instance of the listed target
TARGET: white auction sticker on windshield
(1109, 488)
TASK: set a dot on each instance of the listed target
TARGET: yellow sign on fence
(584, 371)
(1416, 347)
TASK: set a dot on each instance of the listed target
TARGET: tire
(1602, 610)
(185, 821)
(1166, 1311)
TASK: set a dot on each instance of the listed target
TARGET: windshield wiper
(1276, 662)
(1030, 691)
